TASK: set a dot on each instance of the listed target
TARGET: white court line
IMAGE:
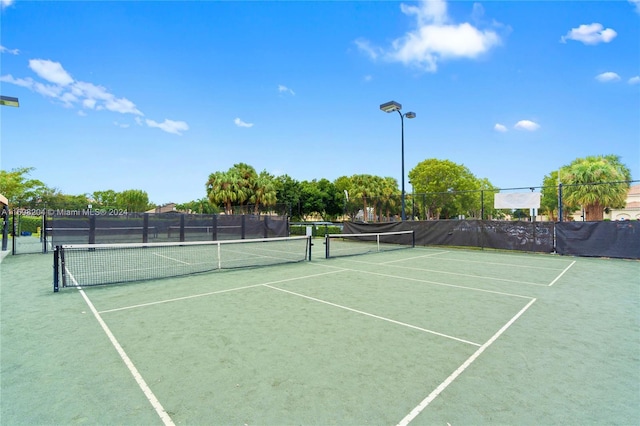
(373, 316)
(164, 416)
(193, 296)
(171, 258)
(562, 273)
(452, 273)
(415, 257)
(516, 265)
(396, 277)
(437, 391)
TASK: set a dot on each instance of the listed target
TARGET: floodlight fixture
(9, 101)
(391, 106)
(410, 115)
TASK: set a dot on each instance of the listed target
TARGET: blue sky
(158, 95)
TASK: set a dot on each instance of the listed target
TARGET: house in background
(165, 208)
(632, 209)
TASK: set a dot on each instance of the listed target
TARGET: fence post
(560, 202)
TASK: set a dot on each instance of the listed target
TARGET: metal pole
(559, 202)
(402, 137)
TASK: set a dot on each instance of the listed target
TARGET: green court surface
(422, 336)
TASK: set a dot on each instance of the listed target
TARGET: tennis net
(82, 265)
(337, 245)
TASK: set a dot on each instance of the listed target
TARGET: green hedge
(318, 230)
(27, 224)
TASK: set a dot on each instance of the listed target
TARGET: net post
(182, 228)
(309, 244)
(13, 233)
(413, 238)
(43, 231)
(265, 224)
(92, 229)
(56, 258)
(145, 228)
(243, 228)
(326, 246)
(214, 228)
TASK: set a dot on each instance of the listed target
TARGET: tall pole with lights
(12, 102)
(392, 106)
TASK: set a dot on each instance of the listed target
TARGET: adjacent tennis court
(415, 336)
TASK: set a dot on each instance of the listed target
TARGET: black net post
(243, 227)
(43, 231)
(326, 246)
(13, 232)
(265, 224)
(560, 202)
(92, 229)
(145, 228)
(214, 228)
(182, 228)
(56, 270)
(5, 227)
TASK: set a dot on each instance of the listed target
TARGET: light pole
(390, 107)
(12, 102)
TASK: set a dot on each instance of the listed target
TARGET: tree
(447, 187)
(390, 195)
(264, 191)
(221, 190)
(133, 200)
(595, 183)
(289, 192)
(200, 206)
(363, 188)
(19, 189)
(105, 199)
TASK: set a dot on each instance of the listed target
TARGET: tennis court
(416, 336)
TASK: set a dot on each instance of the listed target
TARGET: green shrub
(27, 224)
(317, 231)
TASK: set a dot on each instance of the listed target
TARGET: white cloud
(527, 125)
(50, 71)
(500, 128)
(435, 38)
(241, 123)
(367, 78)
(590, 34)
(169, 126)
(22, 82)
(285, 89)
(10, 51)
(634, 80)
(606, 77)
(6, 3)
(60, 86)
(121, 125)
(636, 4)
(365, 47)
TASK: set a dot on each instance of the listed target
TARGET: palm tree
(264, 191)
(244, 181)
(364, 186)
(595, 183)
(389, 192)
(222, 189)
